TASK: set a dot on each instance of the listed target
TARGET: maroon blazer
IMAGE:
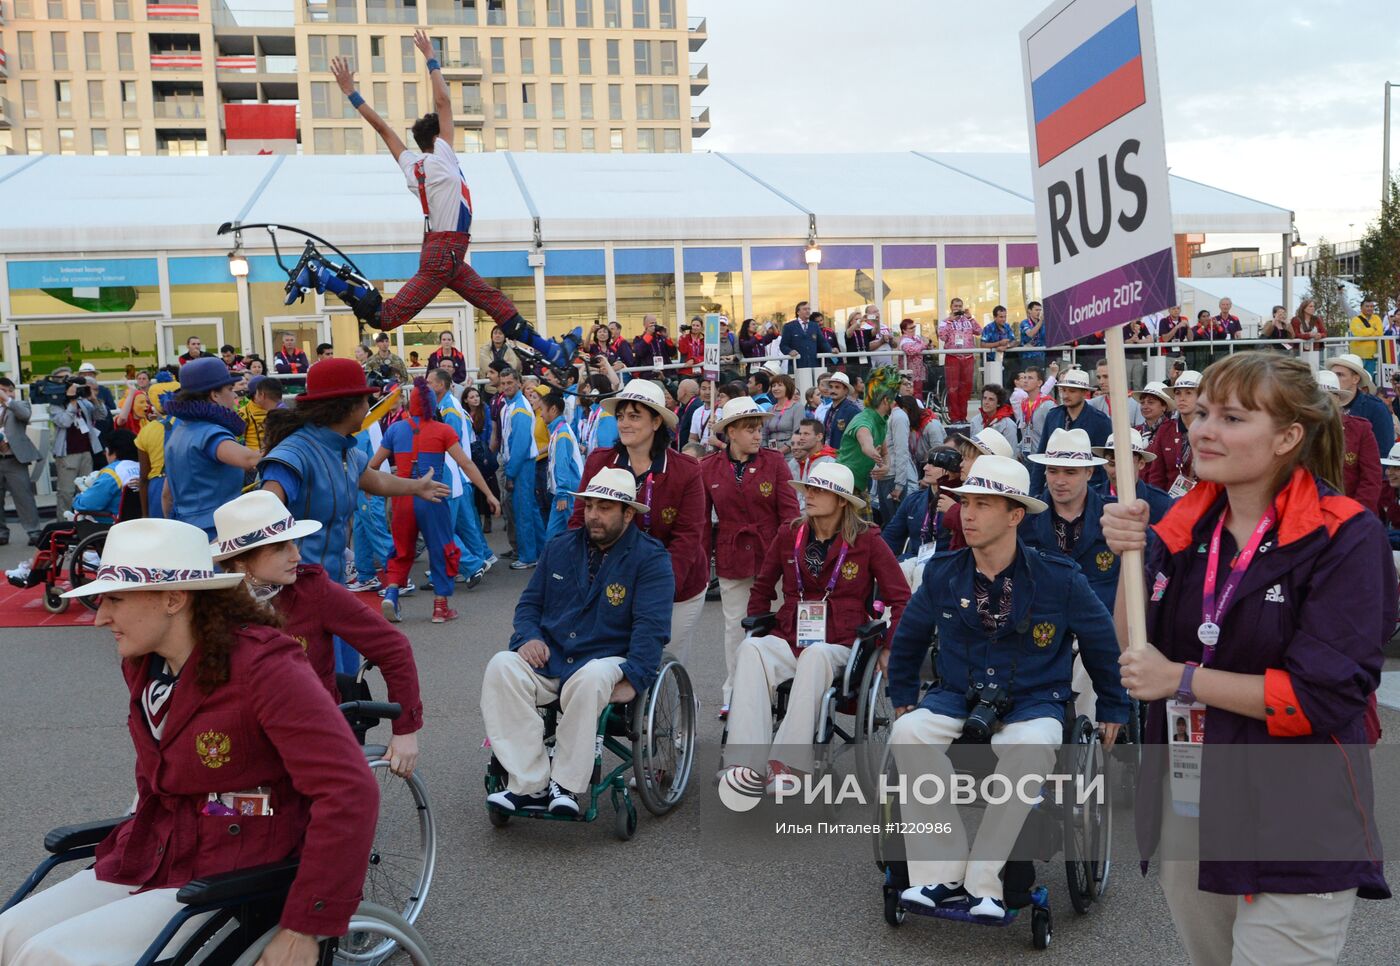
(316, 607)
(749, 513)
(677, 517)
(1173, 455)
(869, 565)
(1361, 469)
(271, 724)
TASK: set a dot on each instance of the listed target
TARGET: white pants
(510, 693)
(685, 618)
(807, 379)
(734, 599)
(913, 572)
(1084, 689)
(1023, 748)
(84, 922)
(762, 664)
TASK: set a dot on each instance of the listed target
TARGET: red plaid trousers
(443, 264)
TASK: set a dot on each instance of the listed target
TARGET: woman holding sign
(1257, 641)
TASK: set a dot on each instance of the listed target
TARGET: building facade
(114, 77)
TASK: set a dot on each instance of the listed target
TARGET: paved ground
(551, 892)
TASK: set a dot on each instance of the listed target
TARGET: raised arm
(442, 101)
(345, 77)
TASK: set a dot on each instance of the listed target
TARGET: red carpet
(25, 608)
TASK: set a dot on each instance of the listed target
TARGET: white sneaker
(562, 801)
(91, 559)
(20, 572)
(986, 908)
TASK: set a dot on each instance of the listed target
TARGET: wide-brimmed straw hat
(1327, 380)
(1073, 379)
(155, 555)
(613, 484)
(254, 520)
(648, 394)
(989, 442)
(1158, 390)
(1139, 447)
(1000, 476)
(743, 407)
(834, 478)
(1187, 379)
(1393, 457)
(1352, 361)
(1068, 447)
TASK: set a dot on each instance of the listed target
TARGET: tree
(1325, 288)
(1380, 253)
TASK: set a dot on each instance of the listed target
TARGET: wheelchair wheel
(874, 718)
(1040, 928)
(1088, 826)
(625, 820)
(663, 751)
(79, 571)
(371, 925)
(53, 602)
(404, 852)
(895, 914)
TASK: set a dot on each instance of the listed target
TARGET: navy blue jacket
(806, 339)
(1158, 501)
(1091, 554)
(624, 612)
(836, 419)
(1096, 424)
(1377, 413)
(904, 533)
(1031, 655)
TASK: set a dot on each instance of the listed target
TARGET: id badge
(1186, 734)
(811, 622)
(1181, 486)
(926, 551)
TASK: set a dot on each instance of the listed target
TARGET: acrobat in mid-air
(435, 177)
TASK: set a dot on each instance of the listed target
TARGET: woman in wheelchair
(257, 537)
(831, 563)
(1003, 616)
(241, 760)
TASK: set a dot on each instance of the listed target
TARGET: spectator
(757, 386)
(1361, 462)
(785, 415)
(1173, 467)
(728, 352)
(883, 338)
(75, 439)
(1072, 413)
(802, 340)
(447, 349)
(194, 348)
(102, 396)
(902, 478)
(688, 402)
(1390, 501)
(1104, 403)
(621, 348)
(1038, 402)
(1155, 401)
(386, 363)
(690, 348)
(1395, 395)
(17, 451)
(254, 365)
(926, 432)
(496, 350)
(913, 345)
(809, 450)
(1276, 329)
(1368, 328)
(1206, 330)
(1307, 326)
(1353, 376)
(751, 346)
(325, 351)
(959, 334)
(264, 395)
(862, 448)
(1139, 334)
(652, 348)
(1227, 322)
(998, 334)
(823, 403)
(231, 358)
(862, 333)
(831, 340)
(290, 359)
(413, 360)
(841, 411)
(1032, 335)
(995, 413)
(135, 406)
(1174, 329)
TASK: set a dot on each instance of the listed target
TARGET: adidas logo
(1275, 594)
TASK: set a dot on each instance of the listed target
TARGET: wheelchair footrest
(959, 912)
(273, 877)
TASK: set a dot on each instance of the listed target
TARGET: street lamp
(1296, 245)
(1385, 147)
(237, 261)
(813, 254)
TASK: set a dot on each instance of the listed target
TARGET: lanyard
(924, 532)
(1212, 613)
(798, 563)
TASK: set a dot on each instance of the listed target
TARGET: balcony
(699, 33)
(458, 69)
(473, 115)
(4, 114)
(178, 60)
(700, 123)
(699, 79)
(172, 11)
(178, 110)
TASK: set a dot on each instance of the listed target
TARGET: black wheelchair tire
(78, 573)
(368, 916)
(895, 914)
(497, 817)
(625, 821)
(1041, 929)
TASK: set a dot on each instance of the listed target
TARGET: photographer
(17, 451)
(1004, 616)
(917, 530)
(652, 348)
(383, 360)
(75, 437)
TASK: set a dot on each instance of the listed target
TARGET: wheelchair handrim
(682, 715)
(421, 865)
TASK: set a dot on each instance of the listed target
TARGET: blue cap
(205, 374)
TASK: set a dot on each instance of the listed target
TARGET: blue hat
(205, 375)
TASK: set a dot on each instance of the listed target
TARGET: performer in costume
(477, 557)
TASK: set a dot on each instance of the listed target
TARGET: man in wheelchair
(1003, 616)
(589, 630)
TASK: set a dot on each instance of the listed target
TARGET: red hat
(336, 379)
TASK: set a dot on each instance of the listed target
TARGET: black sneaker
(562, 802)
(508, 801)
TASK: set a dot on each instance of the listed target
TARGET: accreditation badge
(1186, 735)
(926, 551)
(1181, 486)
(811, 622)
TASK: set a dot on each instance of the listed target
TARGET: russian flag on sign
(1080, 86)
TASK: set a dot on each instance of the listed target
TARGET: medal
(1209, 634)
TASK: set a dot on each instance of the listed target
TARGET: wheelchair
(658, 727)
(855, 708)
(64, 549)
(243, 907)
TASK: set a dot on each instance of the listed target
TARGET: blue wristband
(433, 64)
(355, 99)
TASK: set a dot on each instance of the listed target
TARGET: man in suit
(801, 340)
(16, 453)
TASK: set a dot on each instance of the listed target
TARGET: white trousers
(807, 378)
(685, 618)
(1023, 748)
(510, 693)
(1084, 689)
(734, 599)
(84, 922)
(762, 664)
(913, 572)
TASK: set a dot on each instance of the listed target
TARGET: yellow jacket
(254, 415)
(1361, 329)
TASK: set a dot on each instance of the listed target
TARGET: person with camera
(1004, 615)
(386, 364)
(75, 439)
(652, 348)
(959, 334)
(17, 451)
(917, 528)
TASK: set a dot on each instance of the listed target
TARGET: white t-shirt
(449, 200)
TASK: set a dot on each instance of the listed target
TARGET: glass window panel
(316, 53)
(128, 98)
(67, 143)
(614, 58)
(92, 51)
(640, 295)
(644, 107)
(354, 140)
(668, 58)
(556, 97)
(26, 48)
(56, 11)
(24, 9)
(1022, 286)
(532, 139)
(585, 56)
(471, 99)
(88, 9)
(408, 53)
(641, 57)
(410, 99)
(110, 345)
(670, 102)
(612, 14)
(588, 139)
(34, 142)
(59, 45)
(913, 295)
(585, 101)
(646, 140)
(376, 55)
(472, 142)
(500, 108)
(495, 13)
(561, 139)
(574, 300)
(346, 45)
(614, 102)
(525, 13)
(121, 9)
(521, 291)
(471, 53)
(721, 292)
(615, 139)
(320, 99)
(99, 142)
(498, 55)
(97, 102)
(641, 17)
(133, 141)
(29, 92)
(554, 13)
(775, 293)
(380, 94)
(527, 101)
(667, 18)
(502, 139)
(321, 140)
(556, 56)
(583, 13)
(977, 287)
(63, 97)
(671, 141)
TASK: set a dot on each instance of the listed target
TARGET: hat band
(996, 485)
(831, 485)
(271, 530)
(149, 575)
(608, 493)
(1069, 454)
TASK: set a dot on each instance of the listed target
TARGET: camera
(986, 704)
(947, 460)
(83, 390)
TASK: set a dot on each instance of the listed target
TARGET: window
(97, 101)
(321, 140)
(554, 13)
(641, 15)
(67, 142)
(499, 107)
(556, 101)
(496, 13)
(668, 58)
(59, 43)
(407, 51)
(583, 13)
(99, 142)
(471, 99)
(641, 57)
(471, 142)
(354, 140)
(92, 51)
(670, 102)
(56, 12)
(63, 94)
(671, 141)
(527, 101)
(88, 9)
(128, 99)
(612, 14)
(380, 97)
(614, 58)
(471, 53)
(29, 94)
(498, 55)
(527, 55)
(132, 140)
(644, 110)
(556, 56)
(615, 139)
(121, 10)
(320, 99)
(585, 101)
(646, 140)
(34, 142)
(502, 139)
(525, 13)
(614, 102)
(588, 139)
(346, 45)
(410, 100)
(316, 53)
(125, 60)
(561, 139)
(532, 139)
(667, 19)
(585, 57)
(26, 50)
(376, 55)
(23, 9)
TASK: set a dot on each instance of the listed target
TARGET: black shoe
(562, 802)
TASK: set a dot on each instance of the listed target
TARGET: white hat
(254, 520)
(155, 555)
(842, 378)
(989, 442)
(1327, 379)
(1353, 362)
(648, 394)
(613, 484)
(1139, 447)
(1068, 447)
(1393, 458)
(834, 478)
(742, 407)
(1159, 390)
(774, 367)
(87, 367)
(1073, 379)
(1187, 379)
(1000, 476)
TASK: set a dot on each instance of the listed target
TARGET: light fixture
(1296, 245)
(813, 254)
(237, 261)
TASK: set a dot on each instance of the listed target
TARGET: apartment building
(107, 77)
